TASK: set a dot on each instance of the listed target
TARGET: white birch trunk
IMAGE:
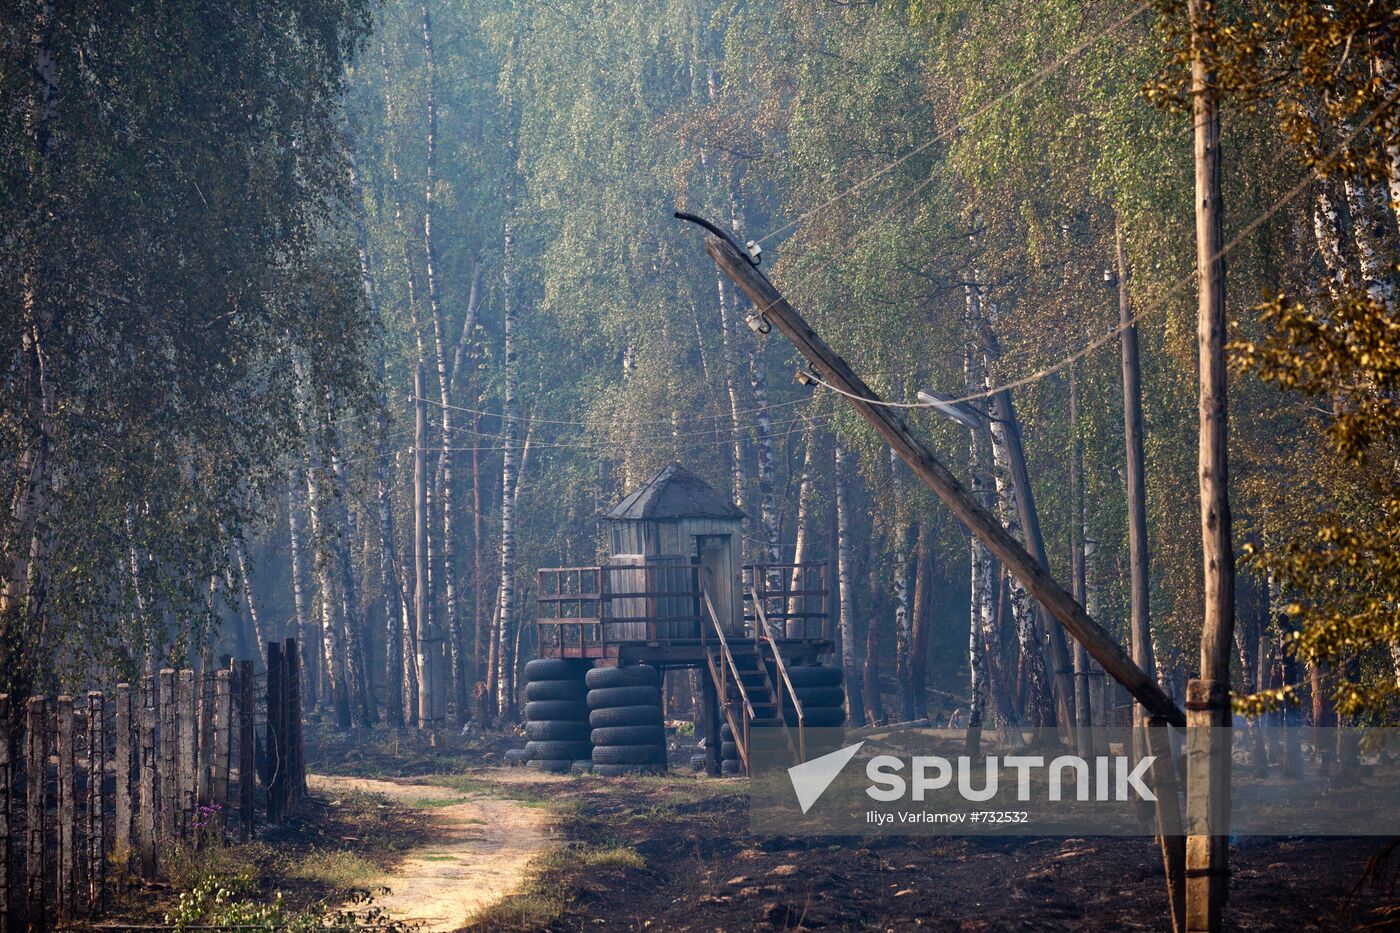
(505, 700)
(846, 623)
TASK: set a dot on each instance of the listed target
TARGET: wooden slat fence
(101, 790)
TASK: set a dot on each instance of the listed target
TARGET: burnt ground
(696, 867)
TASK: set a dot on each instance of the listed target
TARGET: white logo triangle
(811, 778)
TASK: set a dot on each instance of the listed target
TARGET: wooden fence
(99, 790)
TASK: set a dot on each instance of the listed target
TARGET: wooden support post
(276, 733)
(187, 719)
(148, 768)
(204, 788)
(1207, 805)
(96, 803)
(169, 803)
(834, 370)
(223, 746)
(1208, 699)
(711, 719)
(1170, 834)
(247, 707)
(67, 816)
(36, 855)
(296, 755)
(7, 847)
(124, 828)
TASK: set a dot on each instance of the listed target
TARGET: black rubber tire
(647, 715)
(515, 757)
(818, 675)
(571, 751)
(608, 697)
(698, 762)
(581, 767)
(818, 717)
(555, 669)
(629, 735)
(555, 690)
(731, 768)
(813, 697)
(567, 710)
(728, 751)
(550, 766)
(626, 770)
(557, 730)
(629, 755)
(635, 675)
(726, 734)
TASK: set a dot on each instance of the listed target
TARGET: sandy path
(479, 851)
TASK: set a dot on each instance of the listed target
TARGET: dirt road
(479, 852)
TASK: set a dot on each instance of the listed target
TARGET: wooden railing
(721, 676)
(763, 633)
(592, 607)
(796, 597)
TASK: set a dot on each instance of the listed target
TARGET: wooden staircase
(749, 695)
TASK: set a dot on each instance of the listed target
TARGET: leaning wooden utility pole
(1208, 699)
(834, 370)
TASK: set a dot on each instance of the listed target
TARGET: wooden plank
(168, 784)
(96, 813)
(36, 855)
(148, 768)
(187, 726)
(246, 763)
(7, 848)
(296, 754)
(204, 790)
(941, 480)
(223, 745)
(123, 811)
(275, 731)
(67, 816)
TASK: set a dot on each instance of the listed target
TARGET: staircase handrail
(728, 655)
(784, 679)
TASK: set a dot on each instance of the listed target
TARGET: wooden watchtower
(674, 593)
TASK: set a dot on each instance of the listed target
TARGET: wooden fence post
(7, 853)
(96, 804)
(36, 838)
(222, 746)
(148, 767)
(187, 724)
(123, 812)
(205, 790)
(68, 862)
(276, 733)
(169, 783)
(247, 706)
(296, 753)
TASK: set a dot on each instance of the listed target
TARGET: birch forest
(337, 320)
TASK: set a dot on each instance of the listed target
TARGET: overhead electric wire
(1303, 184)
(980, 112)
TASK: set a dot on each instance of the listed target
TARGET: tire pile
(628, 734)
(556, 714)
(729, 763)
(823, 705)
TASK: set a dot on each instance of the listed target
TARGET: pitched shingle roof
(674, 493)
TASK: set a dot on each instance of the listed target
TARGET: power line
(1035, 79)
(607, 422)
(1303, 184)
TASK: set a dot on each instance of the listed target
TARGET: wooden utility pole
(835, 371)
(1208, 699)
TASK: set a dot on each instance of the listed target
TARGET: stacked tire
(729, 763)
(556, 714)
(628, 734)
(823, 705)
